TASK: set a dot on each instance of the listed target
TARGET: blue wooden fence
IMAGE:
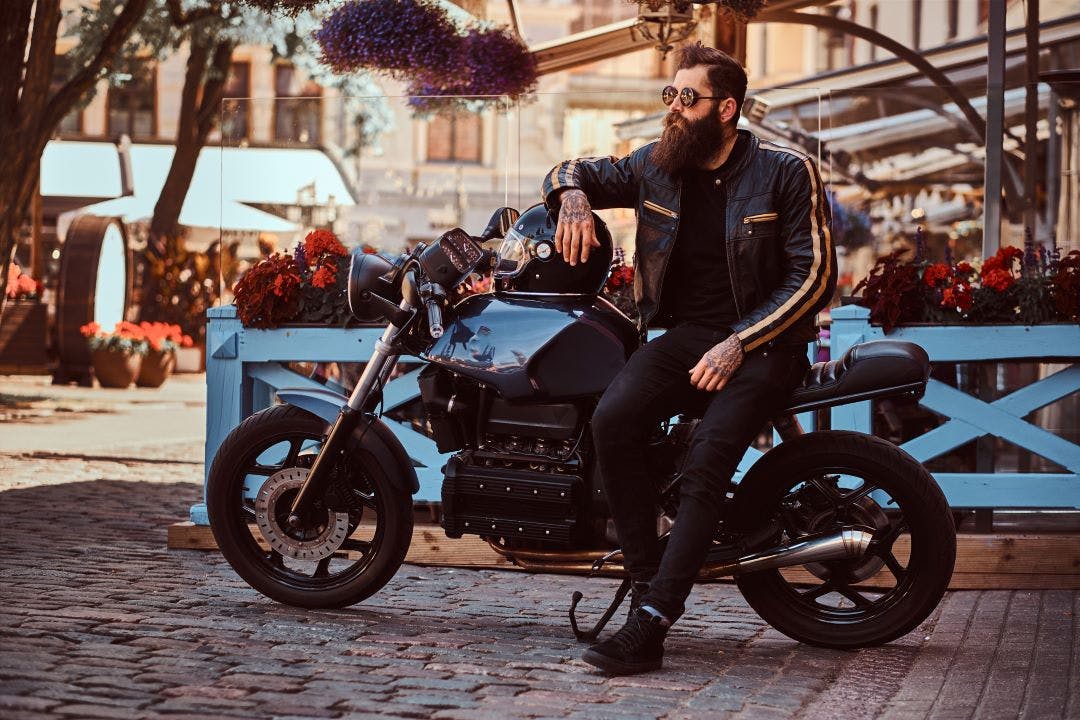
(244, 370)
(970, 418)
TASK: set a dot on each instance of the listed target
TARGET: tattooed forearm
(574, 206)
(726, 357)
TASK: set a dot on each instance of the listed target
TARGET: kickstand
(620, 595)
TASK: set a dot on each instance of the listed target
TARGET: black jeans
(654, 386)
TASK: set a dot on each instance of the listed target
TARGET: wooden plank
(982, 561)
(429, 546)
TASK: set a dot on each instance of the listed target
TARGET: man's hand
(575, 233)
(717, 365)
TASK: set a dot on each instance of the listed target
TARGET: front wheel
(254, 478)
(820, 482)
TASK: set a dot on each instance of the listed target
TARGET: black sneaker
(636, 648)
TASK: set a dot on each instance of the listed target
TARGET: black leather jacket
(779, 248)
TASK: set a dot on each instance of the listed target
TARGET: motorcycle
(835, 538)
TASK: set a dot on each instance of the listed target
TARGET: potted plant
(306, 287)
(23, 324)
(163, 341)
(116, 355)
(1012, 287)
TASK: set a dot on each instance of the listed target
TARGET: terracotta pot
(156, 367)
(115, 370)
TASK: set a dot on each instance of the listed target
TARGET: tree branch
(214, 89)
(66, 97)
(180, 19)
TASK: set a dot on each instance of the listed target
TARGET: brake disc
(272, 506)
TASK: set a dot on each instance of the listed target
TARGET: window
(235, 103)
(132, 103)
(72, 122)
(454, 138)
(298, 109)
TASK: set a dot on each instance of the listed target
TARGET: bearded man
(734, 257)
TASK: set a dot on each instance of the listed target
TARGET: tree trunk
(28, 113)
(204, 84)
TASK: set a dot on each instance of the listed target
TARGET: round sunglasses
(687, 96)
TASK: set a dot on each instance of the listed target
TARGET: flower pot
(23, 333)
(114, 369)
(155, 369)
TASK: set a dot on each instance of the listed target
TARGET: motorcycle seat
(867, 370)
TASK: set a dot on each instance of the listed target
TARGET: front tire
(824, 480)
(379, 512)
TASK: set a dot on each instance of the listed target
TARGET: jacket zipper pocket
(660, 209)
(763, 217)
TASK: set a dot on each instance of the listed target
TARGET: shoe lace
(632, 635)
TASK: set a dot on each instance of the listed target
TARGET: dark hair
(726, 76)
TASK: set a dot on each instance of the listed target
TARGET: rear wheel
(820, 482)
(365, 519)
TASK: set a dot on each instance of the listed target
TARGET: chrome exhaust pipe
(850, 542)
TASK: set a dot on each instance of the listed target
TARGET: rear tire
(810, 477)
(244, 461)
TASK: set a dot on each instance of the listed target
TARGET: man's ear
(726, 116)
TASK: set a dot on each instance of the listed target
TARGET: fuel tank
(539, 347)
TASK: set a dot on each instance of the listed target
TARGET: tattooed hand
(575, 234)
(717, 365)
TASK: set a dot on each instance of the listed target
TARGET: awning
(80, 170)
(203, 212)
(268, 176)
(226, 180)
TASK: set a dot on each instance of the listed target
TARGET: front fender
(379, 439)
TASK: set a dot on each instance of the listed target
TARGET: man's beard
(689, 144)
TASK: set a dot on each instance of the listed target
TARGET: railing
(244, 370)
(970, 417)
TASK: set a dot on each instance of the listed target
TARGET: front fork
(373, 378)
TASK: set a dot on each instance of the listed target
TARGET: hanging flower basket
(415, 41)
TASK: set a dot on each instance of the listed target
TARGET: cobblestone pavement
(99, 620)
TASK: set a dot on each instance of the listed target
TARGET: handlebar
(434, 317)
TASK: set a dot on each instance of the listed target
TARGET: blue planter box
(970, 417)
(244, 371)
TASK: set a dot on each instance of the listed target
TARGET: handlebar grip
(434, 317)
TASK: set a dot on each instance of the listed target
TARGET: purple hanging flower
(402, 38)
(497, 64)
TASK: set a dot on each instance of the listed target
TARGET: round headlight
(366, 278)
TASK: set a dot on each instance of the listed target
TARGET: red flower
(90, 329)
(935, 274)
(268, 293)
(324, 277)
(958, 297)
(998, 280)
(621, 276)
(964, 267)
(320, 242)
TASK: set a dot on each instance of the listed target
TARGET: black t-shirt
(697, 283)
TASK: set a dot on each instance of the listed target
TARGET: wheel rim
(353, 491)
(844, 592)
